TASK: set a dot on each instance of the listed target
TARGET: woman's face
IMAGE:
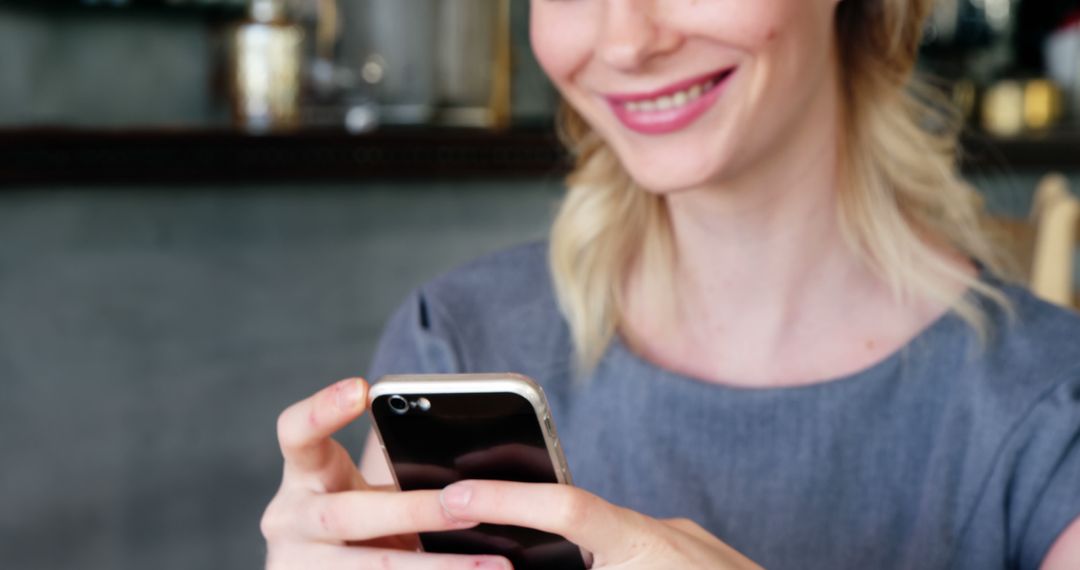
(692, 92)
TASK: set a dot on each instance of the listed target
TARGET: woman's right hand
(326, 516)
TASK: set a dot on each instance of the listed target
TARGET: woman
(766, 321)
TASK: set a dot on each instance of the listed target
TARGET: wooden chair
(1057, 215)
(1044, 246)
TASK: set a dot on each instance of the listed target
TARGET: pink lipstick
(671, 108)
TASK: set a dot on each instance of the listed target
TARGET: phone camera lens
(399, 404)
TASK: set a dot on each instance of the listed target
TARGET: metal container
(265, 71)
(400, 62)
(474, 58)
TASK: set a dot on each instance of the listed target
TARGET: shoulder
(1033, 367)
(495, 313)
(493, 283)
(1023, 373)
(1021, 388)
(1037, 341)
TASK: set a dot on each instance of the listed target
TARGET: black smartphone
(436, 429)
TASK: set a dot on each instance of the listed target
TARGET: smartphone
(437, 429)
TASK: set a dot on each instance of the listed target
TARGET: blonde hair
(901, 201)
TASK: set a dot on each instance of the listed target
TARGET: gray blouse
(947, 454)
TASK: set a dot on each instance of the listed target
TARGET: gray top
(944, 455)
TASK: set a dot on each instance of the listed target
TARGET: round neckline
(620, 351)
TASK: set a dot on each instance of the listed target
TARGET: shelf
(166, 8)
(37, 157)
(1039, 152)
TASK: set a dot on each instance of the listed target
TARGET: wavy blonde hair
(901, 200)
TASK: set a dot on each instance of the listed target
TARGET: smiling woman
(769, 65)
(769, 327)
(790, 95)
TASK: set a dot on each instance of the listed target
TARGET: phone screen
(433, 440)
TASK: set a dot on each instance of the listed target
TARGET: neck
(768, 242)
(762, 270)
(768, 255)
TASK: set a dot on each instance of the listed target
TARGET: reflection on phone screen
(475, 436)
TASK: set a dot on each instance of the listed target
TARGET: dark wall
(149, 338)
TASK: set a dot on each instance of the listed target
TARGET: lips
(671, 108)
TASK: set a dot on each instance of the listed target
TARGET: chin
(674, 163)
(665, 185)
(670, 176)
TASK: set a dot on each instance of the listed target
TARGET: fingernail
(455, 496)
(348, 394)
(496, 564)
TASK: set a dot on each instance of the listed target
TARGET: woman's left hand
(617, 537)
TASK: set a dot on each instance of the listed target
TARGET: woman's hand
(326, 516)
(617, 537)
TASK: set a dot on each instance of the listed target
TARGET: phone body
(436, 429)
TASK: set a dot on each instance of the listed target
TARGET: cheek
(797, 45)
(743, 25)
(785, 41)
(562, 38)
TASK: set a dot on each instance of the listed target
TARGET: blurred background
(208, 208)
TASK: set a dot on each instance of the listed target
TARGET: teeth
(673, 101)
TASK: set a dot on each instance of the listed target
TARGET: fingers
(373, 464)
(578, 516)
(368, 515)
(326, 557)
(306, 427)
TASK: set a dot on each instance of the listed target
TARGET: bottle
(266, 55)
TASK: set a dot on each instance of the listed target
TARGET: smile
(671, 108)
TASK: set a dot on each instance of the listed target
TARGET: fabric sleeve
(416, 340)
(1046, 488)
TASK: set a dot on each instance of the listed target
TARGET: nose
(633, 33)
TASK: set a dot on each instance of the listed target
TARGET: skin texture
(750, 186)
